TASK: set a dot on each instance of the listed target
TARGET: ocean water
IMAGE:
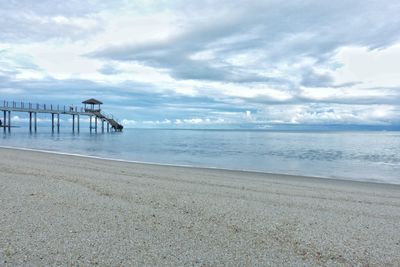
(358, 155)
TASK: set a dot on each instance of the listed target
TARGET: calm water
(347, 155)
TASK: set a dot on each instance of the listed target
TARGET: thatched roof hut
(92, 102)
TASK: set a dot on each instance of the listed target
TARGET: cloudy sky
(209, 63)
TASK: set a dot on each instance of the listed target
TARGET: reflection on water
(348, 155)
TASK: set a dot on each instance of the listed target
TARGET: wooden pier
(91, 109)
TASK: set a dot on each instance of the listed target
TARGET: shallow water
(347, 155)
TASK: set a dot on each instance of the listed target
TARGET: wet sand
(70, 210)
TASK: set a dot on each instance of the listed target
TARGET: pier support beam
(78, 123)
(95, 124)
(108, 127)
(35, 119)
(73, 123)
(9, 121)
(102, 126)
(30, 122)
(90, 127)
(58, 122)
(52, 122)
(5, 121)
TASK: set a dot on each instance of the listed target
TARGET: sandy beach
(69, 210)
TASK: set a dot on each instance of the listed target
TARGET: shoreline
(68, 210)
(333, 178)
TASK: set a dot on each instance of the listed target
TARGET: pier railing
(28, 106)
(110, 116)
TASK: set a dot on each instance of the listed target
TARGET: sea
(352, 155)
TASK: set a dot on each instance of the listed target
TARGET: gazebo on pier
(92, 103)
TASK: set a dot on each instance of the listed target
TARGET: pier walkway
(108, 122)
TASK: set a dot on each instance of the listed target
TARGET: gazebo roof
(92, 101)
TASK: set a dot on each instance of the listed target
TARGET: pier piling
(5, 120)
(52, 122)
(30, 122)
(35, 119)
(9, 121)
(58, 122)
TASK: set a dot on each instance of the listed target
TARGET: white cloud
(373, 68)
(330, 114)
(129, 123)
(11, 91)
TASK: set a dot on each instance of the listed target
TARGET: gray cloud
(312, 79)
(141, 102)
(25, 21)
(274, 33)
(109, 70)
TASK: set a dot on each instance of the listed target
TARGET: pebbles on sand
(68, 210)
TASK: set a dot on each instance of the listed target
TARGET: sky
(211, 63)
